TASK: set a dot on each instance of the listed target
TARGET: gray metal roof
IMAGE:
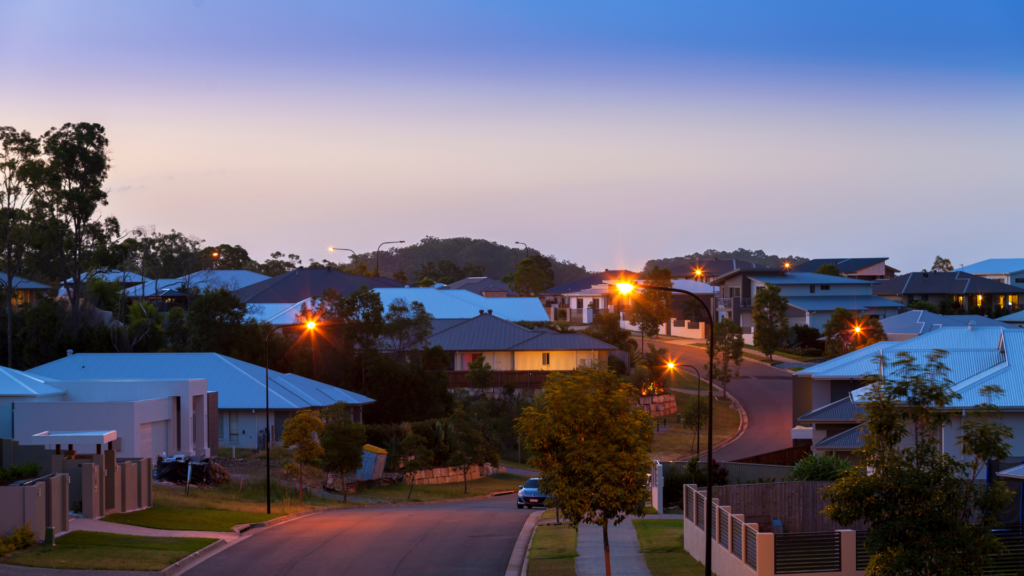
(922, 321)
(995, 266)
(1015, 473)
(479, 285)
(841, 411)
(488, 332)
(830, 303)
(592, 280)
(798, 278)
(712, 268)
(239, 385)
(302, 283)
(845, 265)
(848, 440)
(954, 283)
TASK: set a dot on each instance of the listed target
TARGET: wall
(452, 475)
(560, 359)
(657, 406)
(797, 504)
(42, 504)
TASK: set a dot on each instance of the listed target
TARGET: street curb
(192, 559)
(521, 552)
(739, 432)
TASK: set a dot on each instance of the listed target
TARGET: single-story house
(859, 268)
(961, 290)
(24, 292)
(166, 293)
(916, 322)
(240, 387)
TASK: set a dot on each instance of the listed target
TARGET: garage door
(152, 439)
(145, 448)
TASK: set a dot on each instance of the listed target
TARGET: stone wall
(658, 406)
(453, 474)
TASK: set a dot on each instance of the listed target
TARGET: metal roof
(714, 267)
(1015, 473)
(922, 321)
(1014, 318)
(1009, 376)
(969, 354)
(464, 304)
(214, 279)
(17, 383)
(841, 411)
(487, 332)
(302, 283)
(830, 303)
(845, 359)
(845, 265)
(239, 385)
(277, 314)
(850, 439)
(113, 276)
(694, 286)
(943, 283)
(592, 280)
(808, 278)
(995, 266)
(23, 283)
(151, 287)
(479, 285)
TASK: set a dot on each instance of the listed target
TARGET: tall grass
(251, 497)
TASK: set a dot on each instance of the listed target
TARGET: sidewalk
(112, 528)
(626, 558)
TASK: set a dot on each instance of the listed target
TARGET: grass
(675, 443)
(225, 452)
(83, 550)
(683, 379)
(661, 542)
(514, 464)
(553, 551)
(188, 519)
(796, 357)
(432, 492)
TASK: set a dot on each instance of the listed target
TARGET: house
(240, 387)
(688, 320)
(151, 416)
(812, 297)
(859, 268)
(958, 290)
(303, 283)
(507, 346)
(916, 322)
(1016, 319)
(708, 270)
(580, 300)
(828, 396)
(166, 293)
(483, 286)
(126, 279)
(25, 292)
(1005, 270)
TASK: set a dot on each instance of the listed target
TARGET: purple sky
(607, 133)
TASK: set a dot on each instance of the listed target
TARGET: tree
(480, 374)
(928, 512)
(401, 277)
(846, 332)
(771, 327)
(278, 264)
(758, 257)
(829, 270)
(942, 265)
(415, 457)
(20, 169)
(695, 416)
(469, 446)
(406, 326)
(590, 446)
(728, 353)
(818, 468)
(652, 308)
(924, 305)
(302, 430)
(605, 328)
(342, 441)
(65, 206)
(529, 279)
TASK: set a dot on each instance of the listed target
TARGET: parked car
(529, 494)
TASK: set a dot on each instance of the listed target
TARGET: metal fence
(723, 523)
(862, 554)
(700, 512)
(1012, 560)
(737, 538)
(807, 553)
(751, 558)
(689, 504)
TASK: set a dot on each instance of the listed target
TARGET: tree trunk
(344, 489)
(411, 481)
(9, 291)
(607, 554)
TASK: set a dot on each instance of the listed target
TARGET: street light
(626, 288)
(310, 325)
(527, 248)
(333, 249)
(376, 271)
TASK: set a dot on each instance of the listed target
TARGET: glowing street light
(786, 265)
(856, 329)
(625, 287)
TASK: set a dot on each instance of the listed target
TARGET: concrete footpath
(624, 547)
(112, 528)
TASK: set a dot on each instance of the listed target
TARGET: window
(812, 288)
(223, 417)
(232, 426)
(826, 287)
(579, 303)
(545, 358)
(1018, 280)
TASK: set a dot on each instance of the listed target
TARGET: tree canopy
(846, 332)
(758, 257)
(829, 269)
(771, 326)
(728, 353)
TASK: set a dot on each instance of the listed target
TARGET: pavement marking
(517, 563)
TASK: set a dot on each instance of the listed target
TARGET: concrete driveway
(469, 537)
(765, 393)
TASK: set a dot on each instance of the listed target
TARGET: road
(765, 393)
(468, 537)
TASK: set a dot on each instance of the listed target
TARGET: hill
(465, 255)
(753, 256)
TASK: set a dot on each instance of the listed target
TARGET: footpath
(626, 558)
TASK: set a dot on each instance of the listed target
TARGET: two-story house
(580, 300)
(961, 291)
(859, 268)
(812, 297)
(1005, 270)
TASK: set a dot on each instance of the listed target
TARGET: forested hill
(497, 260)
(753, 256)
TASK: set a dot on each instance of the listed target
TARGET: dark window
(1018, 280)
(579, 303)
(826, 287)
(812, 288)
(545, 358)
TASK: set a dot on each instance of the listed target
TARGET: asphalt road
(765, 393)
(469, 537)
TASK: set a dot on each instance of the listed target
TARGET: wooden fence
(797, 504)
(784, 457)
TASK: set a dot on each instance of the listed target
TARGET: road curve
(468, 537)
(765, 393)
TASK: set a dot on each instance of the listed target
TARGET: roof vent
(70, 352)
(971, 325)
(489, 312)
(923, 273)
(481, 312)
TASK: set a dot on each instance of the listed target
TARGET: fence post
(765, 554)
(848, 552)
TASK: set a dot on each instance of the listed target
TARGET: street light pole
(376, 271)
(696, 373)
(526, 247)
(309, 326)
(626, 288)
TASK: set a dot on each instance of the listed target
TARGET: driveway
(765, 393)
(468, 537)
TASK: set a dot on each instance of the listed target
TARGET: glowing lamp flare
(856, 329)
(311, 325)
(216, 254)
(671, 365)
(330, 249)
(625, 287)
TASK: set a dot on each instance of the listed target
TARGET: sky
(606, 133)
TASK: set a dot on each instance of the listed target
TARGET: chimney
(70, 353)
(971, 325)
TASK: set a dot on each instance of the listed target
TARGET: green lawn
(431, 492)
(685, 380)
(82, 550)
(188, 519)
(661, 541)
(675, 444)
(788, 355)
(553, 552)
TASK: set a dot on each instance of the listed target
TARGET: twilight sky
(604, 132)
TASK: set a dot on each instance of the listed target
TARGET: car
(530, 495)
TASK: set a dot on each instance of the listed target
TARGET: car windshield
(532, 483)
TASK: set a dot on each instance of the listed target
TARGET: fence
(739, 472)
(798, 505)
(523, 379)
(784, 457)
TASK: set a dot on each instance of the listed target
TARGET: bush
(16, 539)
(818, 468)
(673, 486)
(617, 365)
(808, 352)
(19, 472)
(802, 336)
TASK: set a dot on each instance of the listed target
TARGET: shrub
(617, 365)
(673, 486)
(19, 472)
(818, 468)
(16, 539)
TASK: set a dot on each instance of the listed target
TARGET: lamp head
(625, 287)
(330, 248)
(856, 329)
(310, 325)
(786, 265)
(216, 254)
(699, 272)
(671, 365)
